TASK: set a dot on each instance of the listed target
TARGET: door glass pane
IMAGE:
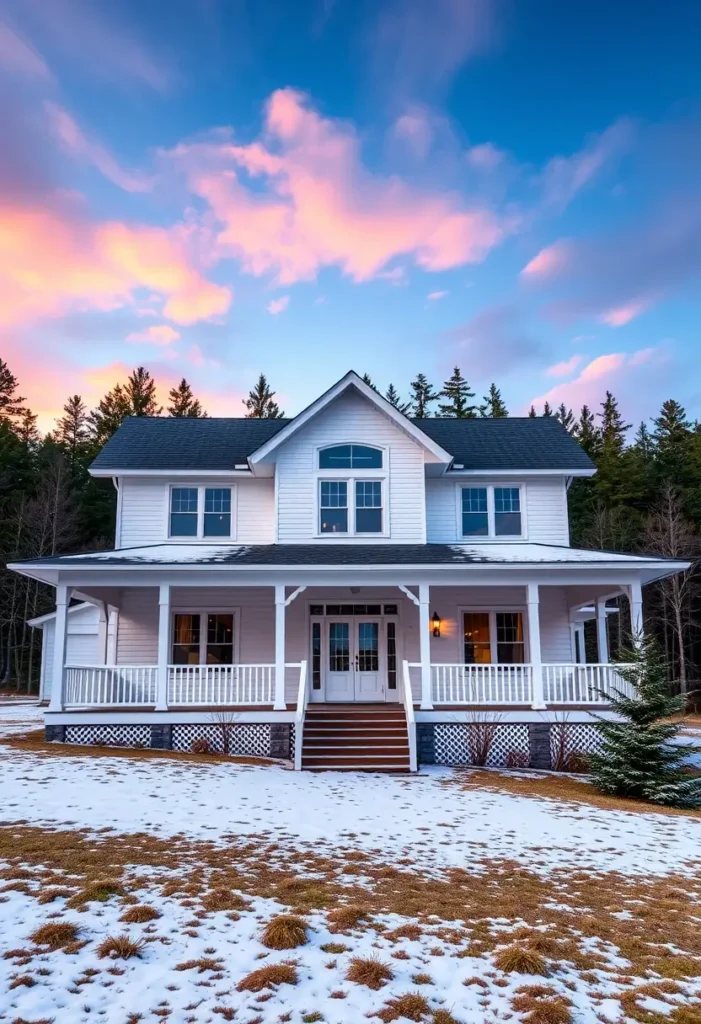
(339, 647)
(368, 647)
(511, 649)
(186, 639)
(507, 511)
(476, 631)
(316, 655)
(220, 639)
(217, 512)
(391, 656)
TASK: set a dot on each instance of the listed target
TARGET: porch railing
(481, 684)
(221, 684)
(583, 684)
(123, 685)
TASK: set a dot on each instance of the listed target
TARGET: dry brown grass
(444, 1017)
(201, 965)
(541, 1005)
(370, 971)
(140, 914)
(286, 931)
(55, 935)
(519, 959)
(224, 899)
(563, 788)
(412, 1006)
(334, 948)
(120, 947)
(422, 979)
(98, 891)
(344, 919)
(268, 977)
(22, 981)
(405, 931)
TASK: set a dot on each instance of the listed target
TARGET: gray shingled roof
(221, 444)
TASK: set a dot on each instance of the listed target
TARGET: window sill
(200, 540)
(492, 540)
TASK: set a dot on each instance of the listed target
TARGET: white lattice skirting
(459, 744)
(576, 740)
(109, 735)
(251, 740)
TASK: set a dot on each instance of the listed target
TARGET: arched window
(350, 456)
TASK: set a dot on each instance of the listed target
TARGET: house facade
(349, 588)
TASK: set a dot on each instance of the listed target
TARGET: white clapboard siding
(545, 500)
(81, 644)
(351, 418)
(144, 509)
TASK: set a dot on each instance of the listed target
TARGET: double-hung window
(203, 638)
(489, 511)
(351, 496)
(493, 637)
(200, 512)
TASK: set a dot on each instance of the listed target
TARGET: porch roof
(339, 555)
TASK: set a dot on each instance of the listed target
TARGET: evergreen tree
(494, 405)
(72, 432)
(532, 414)
(637, 758)
(109, 414)
(612, 478)
(392, 396)
(27, 429)
(587, 433)
(140, 391)
(367, 379)
(11, 405)
(547, 411)
(260, 404)
(566, 418)
(422, 396)
(184, 403)
(673, 440)
(457, 391)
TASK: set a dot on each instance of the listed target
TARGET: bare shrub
(202, 746)
(368, 971)
(481, 732)
(517, 759)
(285, 932)
(225, 724)
(564, 757)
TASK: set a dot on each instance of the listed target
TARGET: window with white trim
(493, 637)
(351, 497)
(203, 638)
(200, 512)
(489, 511)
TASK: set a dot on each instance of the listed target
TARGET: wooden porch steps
(355, 737)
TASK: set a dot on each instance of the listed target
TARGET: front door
(353, 670)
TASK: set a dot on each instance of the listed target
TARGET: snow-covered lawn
(607, 899)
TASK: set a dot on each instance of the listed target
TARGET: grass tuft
(120, 947)
(520, 960)
(285, 932)
(98, 891)
(55, 935)
(140, 914)
(204, 963)
(343, 919)
(334, 948)
(541, 1005)
(224, 899)
(411, 1006)
(369, 971)
(268, 977)
(443, 1017)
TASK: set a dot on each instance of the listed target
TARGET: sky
(215, 188)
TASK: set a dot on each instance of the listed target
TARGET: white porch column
(102, 634)
(533, 598)
(279, 704)
(635, 596)
(63, 600)
(163, 647)
(425, 646)
(601, 632)
(579, 629)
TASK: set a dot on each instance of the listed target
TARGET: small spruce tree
(392, 396)
(184, 403)
(636, 757)
(422, 396)
(494, 405)
(458, 394)
(260, 402)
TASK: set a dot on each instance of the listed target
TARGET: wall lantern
(436, 622)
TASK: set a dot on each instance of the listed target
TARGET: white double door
(354, 662)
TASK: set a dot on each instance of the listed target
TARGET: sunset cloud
(622, 315)
(615, 371)
(17, 56)
(565, 176)
(276, 306)
(51, 265)
(158, 334)
(547, 262)
(564, 369)
(317, 205)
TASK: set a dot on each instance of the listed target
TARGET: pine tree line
(646, 495)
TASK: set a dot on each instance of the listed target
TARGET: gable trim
(351, 379)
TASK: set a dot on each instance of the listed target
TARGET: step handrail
(302, 699)
(410, 716)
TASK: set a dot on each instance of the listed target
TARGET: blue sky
(230, 187)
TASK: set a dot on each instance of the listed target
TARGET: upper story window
(350, 456)
(200, 512)
(489, 511)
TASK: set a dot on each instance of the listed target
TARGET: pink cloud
(158, 334)
(435, 296)
(316, 204)
(547, 262)
(77, 144)
(565, 368)
(18, 57)
(614, 371)
(564, 177)
(484, 157)
(276, 306)
(52, 264)
(622, 315)
(415, 129)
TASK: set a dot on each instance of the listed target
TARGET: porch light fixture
(436, 621)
